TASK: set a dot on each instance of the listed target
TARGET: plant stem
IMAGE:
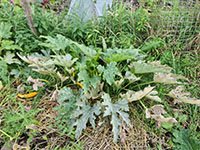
(6, 134)
(143, 104)
(144, 83)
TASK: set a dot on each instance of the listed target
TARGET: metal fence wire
(178, 20)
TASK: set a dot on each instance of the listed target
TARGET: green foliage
(88, 81)
(5, 30)
(91, 71)
(109, 72)
(67, 104)
(153, 44)
(99, 70)
(185, 141)
(118, 55)
(8, 45)
(55, 44)
(3, 71)
(15, 122)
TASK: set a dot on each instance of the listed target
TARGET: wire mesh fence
(177, 20)
(180, 21)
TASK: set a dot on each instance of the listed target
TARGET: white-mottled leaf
(85, 113)
(117, 111)
(65, 94)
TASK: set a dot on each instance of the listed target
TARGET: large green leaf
(118, 55)
(90, 52)
(88, 81)
(60, 42)
(57, 43)
(117, 111)
(140, 67)
(109, 72)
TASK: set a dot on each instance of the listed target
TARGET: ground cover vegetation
(127, 80)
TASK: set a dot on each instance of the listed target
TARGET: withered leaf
(36, 83)
(168, 78)
(180, 96)
(156, 112)
(148, 92)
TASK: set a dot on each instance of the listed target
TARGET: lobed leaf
(9, 58)
(184, 140)
(88, 82)
(60, 42)
(9, 45)
(118, 55)
(117, 111)
(85, 113)
(109, 72)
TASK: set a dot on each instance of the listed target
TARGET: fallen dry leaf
(19, 147)
(180, 96)
(148, 92)
(168, 78)
(36, 83)
(153, 95)
(156, 112)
